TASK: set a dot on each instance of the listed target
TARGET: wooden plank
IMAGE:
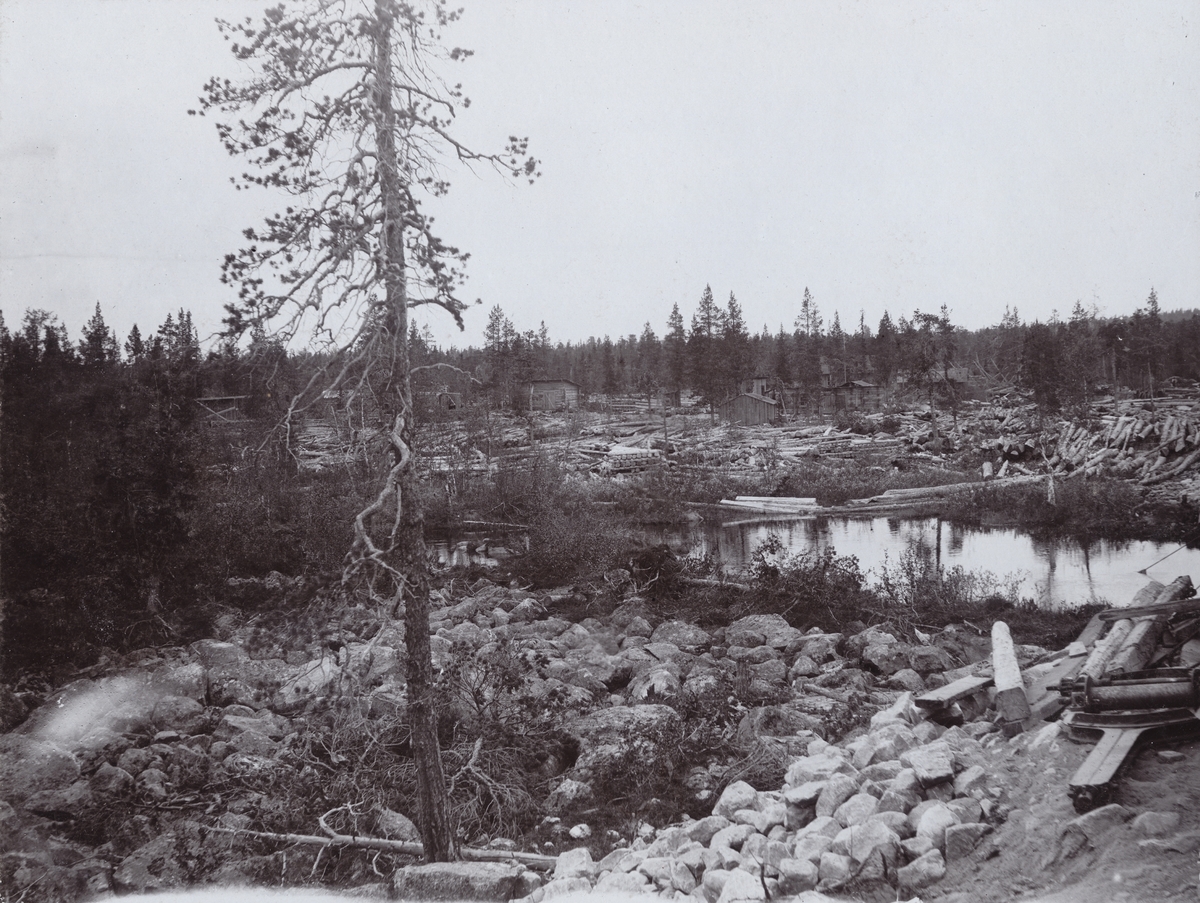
(953, 692)
(1092, 632)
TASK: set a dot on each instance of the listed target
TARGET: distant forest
(127, 508)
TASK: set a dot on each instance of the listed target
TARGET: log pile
(1152, 443)
(1149, 443)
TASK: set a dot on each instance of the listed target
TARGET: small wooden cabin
(749, 409)
(856, 395)
(550, 395)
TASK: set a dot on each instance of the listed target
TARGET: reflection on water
(1061, 572)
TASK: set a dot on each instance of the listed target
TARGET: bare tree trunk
(436, 835)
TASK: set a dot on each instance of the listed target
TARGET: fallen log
(712, 581)
(401, 847)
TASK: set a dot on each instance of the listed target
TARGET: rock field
(877, 801)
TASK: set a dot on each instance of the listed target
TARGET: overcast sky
(887, 155)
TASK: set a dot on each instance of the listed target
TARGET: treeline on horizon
(1057, 362)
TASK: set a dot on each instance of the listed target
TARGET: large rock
(742, 887)
(886, 658)
(181, 714)
(29, 766)
(686, 636)
(933, 763)
(884, 745)
(856, 810)
(962, 839)
(759, 630)
(468, 881)
(872, 636)
(864, 841)
(797, 876)
(934, 821)
(929, 660)
(923, 871)
(820, 767)
(660, 682)
(838, 789)
(621, 739)
(821, 647)
(738, 795)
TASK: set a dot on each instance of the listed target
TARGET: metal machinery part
(1162, 688)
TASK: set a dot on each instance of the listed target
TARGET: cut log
(1137, 648)
(1179, 588)
(1011, 701)
(1148, 594)
(1105, 649)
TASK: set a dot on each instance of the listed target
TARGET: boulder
(886, 744)
(687, 637)
(659, 682)
(757, 630)
(160, 863)
(615, 739)
(742, 887)
(62, 803)
(818, 767)
(933, 763)
(821, 647)
(962, 839)
(731, 838)
(933, 822)
(180, 713)
(623, 883)
(797, 876)
(576, 863)
(810, 847)
(702, 830)
(668, 874)
(886, 658)
(569, 794)
(856, 810)
(923, 871)
(109, 780)
(863, 842)
(29, 766)
(834, 870)
(838, 789)
(467, 881)
(803, 666)
(929, 660)
(872, 636)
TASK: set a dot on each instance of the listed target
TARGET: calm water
(1055, 573)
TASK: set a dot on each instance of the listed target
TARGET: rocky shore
(155, 771)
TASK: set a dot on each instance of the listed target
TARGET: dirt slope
(1147, 853)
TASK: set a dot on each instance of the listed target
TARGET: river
(1059, 573)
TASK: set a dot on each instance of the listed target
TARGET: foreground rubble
(153, 774)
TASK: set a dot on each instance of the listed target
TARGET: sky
(885, 155)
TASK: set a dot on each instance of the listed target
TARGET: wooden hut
(856, 395)
(550, 395)
(750, 410)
